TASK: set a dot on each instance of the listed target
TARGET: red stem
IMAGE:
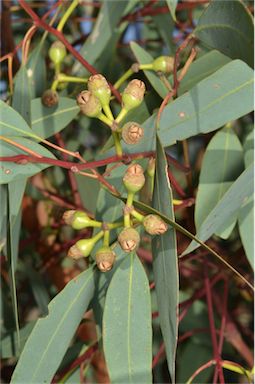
(24, 159)
(218, 367)
(159, 354)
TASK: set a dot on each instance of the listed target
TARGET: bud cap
(133, 94)
(154, 225)
(89, 104)
(134, 178)
(105, 259)
(164, 64)
(50, 98)
(129, 239)
(132, 133)
(98, 86)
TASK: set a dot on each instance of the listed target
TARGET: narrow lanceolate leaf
(172, 4)
(21, 101)
(127, 331)
(48, 121)
(222, 164)
(52, 334)
(228, 27)
(236, 196)
(209, 105)
(36, 71)
(9, 346)
(104, 28)
(246, 213)
(165, 266)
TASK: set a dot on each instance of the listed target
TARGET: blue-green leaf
(222, 164)
(165, 266)
(52, 334)
(127, 331)
(208, 106)
(236, 196)
(48, 121)
(228, 27)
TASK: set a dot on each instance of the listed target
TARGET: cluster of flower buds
(104, 257)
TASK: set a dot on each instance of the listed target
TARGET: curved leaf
(52, 334)
(127, 332)
(222, 164)
(21, 101)
(228, 27)
(236, 196)
(165, 266)
(48, 121)
(208, 106)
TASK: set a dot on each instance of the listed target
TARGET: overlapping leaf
(51, 335)
(165, 266)
(222, 164)
(228, 27)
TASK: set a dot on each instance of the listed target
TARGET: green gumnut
(164, 64)
(98, 86)
(57, 52)
(85, 246)
(81, 220)
(50, 98)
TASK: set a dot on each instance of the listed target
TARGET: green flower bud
(98, 86)
(57, 52)
(132, 133)
(77, 219)
(105, 259)
(50, 98)
(133, 94)
(164, 64)
(134, 178)
(81, 249)
(129, 239)
(89, 104)
(151, 167)
(154, 225)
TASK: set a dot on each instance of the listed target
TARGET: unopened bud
(132, 133)
(151, 167)
(50, 98)
(77, 219)
(134, 178)
(105, 259)
(129, 239)
(81, 249)
(164, 64)
(89, 104)
(154, 225)
(133, 94)
(98, 86)
(57, 52)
